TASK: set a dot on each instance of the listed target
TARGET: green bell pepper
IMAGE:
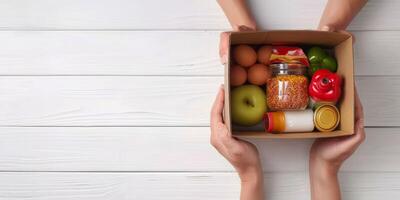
(319, 59)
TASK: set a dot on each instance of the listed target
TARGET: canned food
(326, 118)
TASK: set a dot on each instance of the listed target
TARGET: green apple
(248, 105)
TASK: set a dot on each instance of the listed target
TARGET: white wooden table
(109, 99)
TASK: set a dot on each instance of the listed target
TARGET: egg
(263, 54)
(244, 55)
(238, 75)
(258, 74)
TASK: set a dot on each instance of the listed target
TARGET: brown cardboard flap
(299, 37)
(250, 134)
(344, 56)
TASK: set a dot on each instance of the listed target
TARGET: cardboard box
(340, 43)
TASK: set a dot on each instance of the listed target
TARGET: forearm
(324, 181)
(238, 13)
(252, 186)
(339, 13)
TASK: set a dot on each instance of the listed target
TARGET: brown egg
(238, 75)
(264, 53)
(258, 74)
(244, 55)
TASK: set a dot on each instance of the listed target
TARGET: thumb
(223, 47)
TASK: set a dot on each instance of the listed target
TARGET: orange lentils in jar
(288, 87)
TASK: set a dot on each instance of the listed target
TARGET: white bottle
(290, 121)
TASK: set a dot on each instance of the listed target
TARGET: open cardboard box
(342, 45)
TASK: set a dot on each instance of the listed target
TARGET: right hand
(332, 152)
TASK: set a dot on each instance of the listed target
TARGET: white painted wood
(147, 101)
(130, 149)
(188, 186)
(151, 40)
(153, 53)
(146, 186)
(169, 149)
(109, 53)
(370, 185)
(179, 14)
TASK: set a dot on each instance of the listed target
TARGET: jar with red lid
(288, 87)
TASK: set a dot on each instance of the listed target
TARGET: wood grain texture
(179, 14)
(187, 186)
(149, 186)
(153, 53)
(109, 53)
(147, 101)
(170, 149)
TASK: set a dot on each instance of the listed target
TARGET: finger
(326, 28)
(217, 108)
(223, 47)
(350, 144)
(359, 111)
(360, 131)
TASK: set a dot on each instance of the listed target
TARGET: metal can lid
(326, 118)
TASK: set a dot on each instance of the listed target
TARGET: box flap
(290, 37)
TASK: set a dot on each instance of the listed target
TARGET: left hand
(241, 154)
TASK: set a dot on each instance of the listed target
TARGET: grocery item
(247, 105)
(244, 55)
(264, 54)
(319, 59)
(326, 118)
(238, 75)
(325, 87)
(289, 55)
(288, 87)
(289, 121)
(258, 74)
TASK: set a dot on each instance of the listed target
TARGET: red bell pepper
(325, 86)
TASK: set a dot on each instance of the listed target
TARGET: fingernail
(326, 28)
(224, 59)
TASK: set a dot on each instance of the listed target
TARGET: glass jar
(288, 87)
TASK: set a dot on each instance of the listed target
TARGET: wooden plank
(116, 186)
(146, 101)
(153, 53)
(129, 149)
(109, 53)
(168, 149)
(179, 14)
(370, 185)
(188, 186)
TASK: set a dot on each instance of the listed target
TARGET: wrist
(322, 170)
(252, 174)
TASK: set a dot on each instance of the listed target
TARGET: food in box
(272, 85)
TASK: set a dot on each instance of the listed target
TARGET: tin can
(326, 118)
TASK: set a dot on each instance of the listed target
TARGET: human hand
(331, 28)
(332, 152)
(241, 154)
